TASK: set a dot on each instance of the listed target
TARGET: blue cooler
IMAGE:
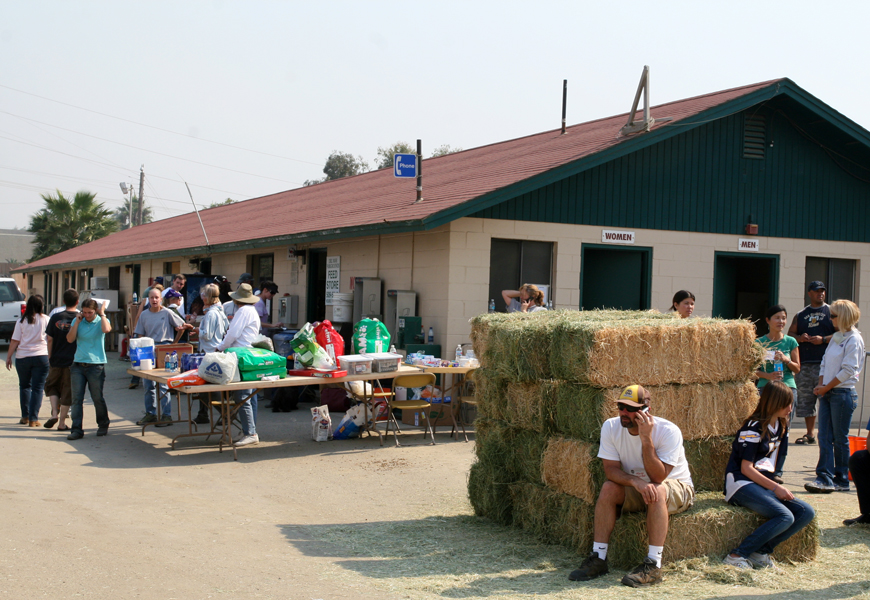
(282, 339)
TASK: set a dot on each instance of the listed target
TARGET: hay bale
(653, 351)
(711, 527)
(481, 329)
(572, 466)
(516, 453)
(707, 461)
(553, 517)
(531, 405)
(518, 348)
(489, 498)
(491, 394)
(700, 410)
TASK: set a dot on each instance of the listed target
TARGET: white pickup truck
(12, 303)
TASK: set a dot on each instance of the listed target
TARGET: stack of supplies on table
(256, 364)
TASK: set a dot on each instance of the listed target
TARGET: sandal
(805, 439)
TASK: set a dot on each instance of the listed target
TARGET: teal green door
(745, 286)
(615, 277)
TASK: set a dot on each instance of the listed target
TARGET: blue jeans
(248, 412)
(835, 417)
(152, 390)
(32, 372)
(94, 375)
(784, 518)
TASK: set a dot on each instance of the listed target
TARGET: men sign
(405, 165)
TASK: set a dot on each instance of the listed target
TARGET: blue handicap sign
(405, 165)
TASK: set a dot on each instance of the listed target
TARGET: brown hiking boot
(645, 575)
(590, 568)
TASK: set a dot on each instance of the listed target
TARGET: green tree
(63, 223)
(444, 149)
(338, 165)
(122, 214)
(385, 155)
(224, 203)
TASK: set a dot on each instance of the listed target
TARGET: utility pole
(141, 194)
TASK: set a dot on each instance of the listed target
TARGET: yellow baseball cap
(634, 395)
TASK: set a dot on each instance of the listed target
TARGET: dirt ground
(126, 516)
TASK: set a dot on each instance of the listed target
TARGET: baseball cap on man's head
(634, 395)
(171, 293)
(245, 278)
(815, 286)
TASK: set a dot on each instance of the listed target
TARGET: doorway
(619, 278)
(315, 306)
(745, 286)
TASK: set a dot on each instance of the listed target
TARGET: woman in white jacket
(838, 375)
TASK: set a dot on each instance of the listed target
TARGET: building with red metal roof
(725, 194)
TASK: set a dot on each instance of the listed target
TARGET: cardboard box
(160, 353)
(439, 415)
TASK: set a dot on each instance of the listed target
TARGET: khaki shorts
(58, 384)
(681, 496)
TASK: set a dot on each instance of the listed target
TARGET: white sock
(655, 553)
(601, 549)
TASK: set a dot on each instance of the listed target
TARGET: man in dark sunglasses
(646, 470)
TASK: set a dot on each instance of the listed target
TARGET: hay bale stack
(654, 351)
(547, 383)
(701, 411)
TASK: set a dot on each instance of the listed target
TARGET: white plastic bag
(358, 388)
(219, 368)
(321, 424)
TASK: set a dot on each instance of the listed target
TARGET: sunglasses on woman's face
(628, 408)
(833, 316)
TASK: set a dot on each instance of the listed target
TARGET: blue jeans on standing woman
(835, 417)
(32, 372)
(784, 518)
(93, 375)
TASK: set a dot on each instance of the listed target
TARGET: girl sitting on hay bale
(749, 479)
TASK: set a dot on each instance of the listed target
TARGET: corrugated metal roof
(353, 204)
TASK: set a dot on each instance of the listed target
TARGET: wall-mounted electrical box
(399, 303)
(367, 298)
(288, 310)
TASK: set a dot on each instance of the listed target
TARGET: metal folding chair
(409, 381)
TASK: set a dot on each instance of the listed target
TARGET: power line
(158, 128)
(102, 139)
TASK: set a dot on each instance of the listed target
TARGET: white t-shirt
(244, 329)
(618, 444)
(31, 337)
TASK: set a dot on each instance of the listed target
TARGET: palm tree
(122, 214)
(63, 224)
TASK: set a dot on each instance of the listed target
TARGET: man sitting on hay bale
(646, 469)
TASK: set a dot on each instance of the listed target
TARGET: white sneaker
(247, 440)
(761, 561)
(736, 561)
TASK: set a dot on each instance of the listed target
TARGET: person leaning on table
(244, 329)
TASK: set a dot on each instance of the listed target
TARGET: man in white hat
(244, 328)
(646, 469)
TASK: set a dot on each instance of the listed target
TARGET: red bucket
(856, 443)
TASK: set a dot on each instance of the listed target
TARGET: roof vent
(753, 136)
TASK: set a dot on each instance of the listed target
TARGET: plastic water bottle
(549, 305)
(491, 306)
(172, 362)
(393, 349)
(777, 366)
(458, 352)
(135, 297)
(431, 337)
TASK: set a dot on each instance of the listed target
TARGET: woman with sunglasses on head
(749, 479)
(838, 375)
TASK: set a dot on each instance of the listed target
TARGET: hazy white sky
(244, 99)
